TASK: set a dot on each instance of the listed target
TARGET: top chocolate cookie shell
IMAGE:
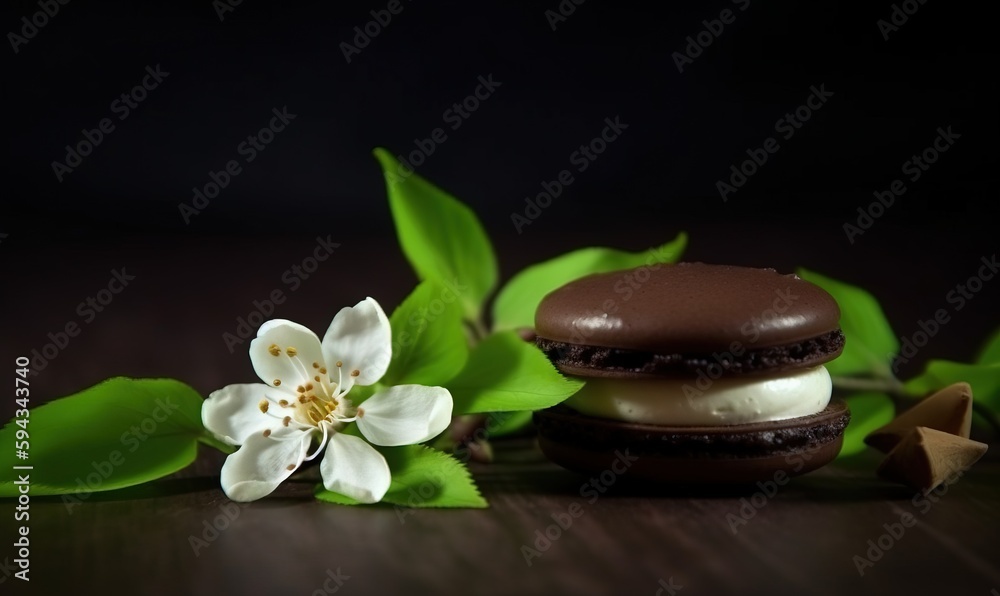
(687, 308)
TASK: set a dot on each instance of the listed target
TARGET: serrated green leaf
(517, 301)
(983, 378)
(990, 352)
(421, 477)
(428, 339)
(119, 433)
(441, 237)
(869, 410)
(870, 340)
(506, 373)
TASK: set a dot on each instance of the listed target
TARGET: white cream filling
(698, 402)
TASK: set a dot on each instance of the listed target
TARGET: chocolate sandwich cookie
(706, 373)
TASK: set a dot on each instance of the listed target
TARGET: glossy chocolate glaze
(687, 308)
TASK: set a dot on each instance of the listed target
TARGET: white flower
(304, 404)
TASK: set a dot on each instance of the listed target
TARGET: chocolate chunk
(949, 410)
(925, 458)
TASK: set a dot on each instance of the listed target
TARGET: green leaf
(871, 342)
(990, 353)
(983, 378)
(421, 477)
(869, 410)
(504, 372)
(428, 340)
(440, 236)
(517, 301)
(119, 433)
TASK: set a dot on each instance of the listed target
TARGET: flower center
(319, 399)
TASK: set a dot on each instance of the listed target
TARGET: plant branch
(892, 386)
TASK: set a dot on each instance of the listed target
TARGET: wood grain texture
(171, 321)
(802, 540)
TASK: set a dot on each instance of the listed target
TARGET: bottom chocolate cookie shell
(734, 454)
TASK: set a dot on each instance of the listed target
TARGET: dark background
(59, 243)
(318, 178)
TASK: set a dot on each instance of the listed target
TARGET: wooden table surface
(182, 536)
(140, 541)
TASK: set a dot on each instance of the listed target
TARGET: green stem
(891, 386)
(217, 444)
(477, 329)
(896, 389)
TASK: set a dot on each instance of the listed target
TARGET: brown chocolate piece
(926, 457)
(729, 454)
(949, 410)
(687, 308)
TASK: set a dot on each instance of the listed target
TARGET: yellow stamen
(291, 351)
(290, 467)
(267, 433)
(277, 382)
(274, 350)
(316, 378)
(355, 372)
(315, 364)
(283, 403)
(263, 406)
(286, 420)
(300, 389)
(339, 364)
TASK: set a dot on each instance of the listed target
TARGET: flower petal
(233, 413)
(286, 352)
(360, 338)
(405, 415)
(261, 464)
(354, 468)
